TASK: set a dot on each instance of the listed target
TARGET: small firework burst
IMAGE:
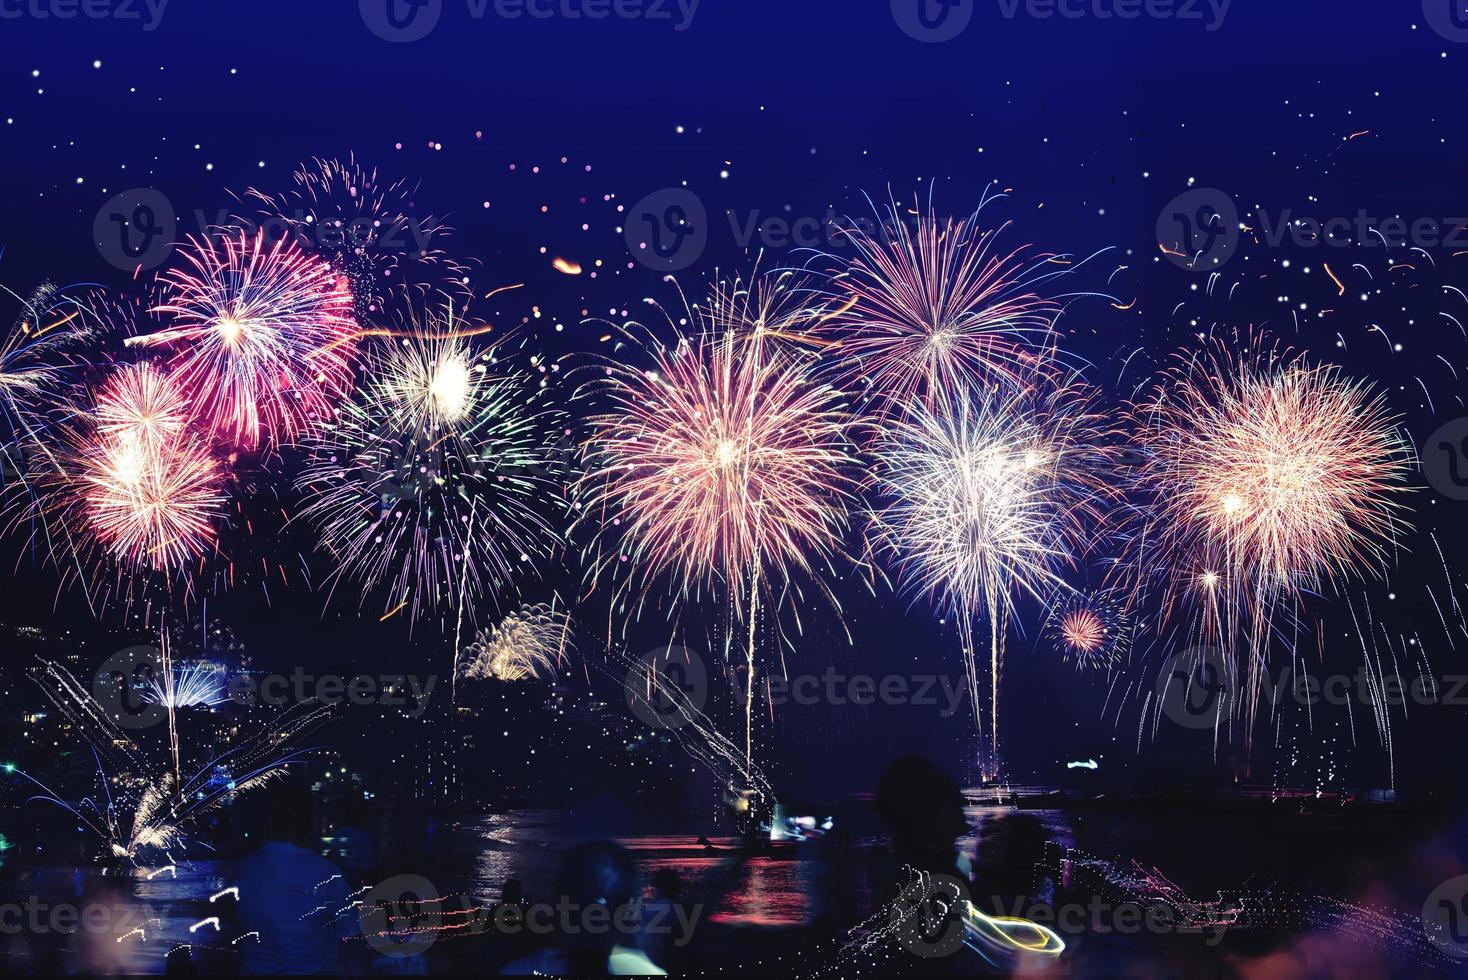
(433, 481)
(1090, 629)
(262, 336)
(526, 645)
(368, 228)
(937, 311)
(189, 685)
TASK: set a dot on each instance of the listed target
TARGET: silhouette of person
(595, 892)
(660, 917)
(923, 808)
(294, 899)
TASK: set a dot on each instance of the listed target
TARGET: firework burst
(1089, 629)
(125, 486)
(983, 502)
(432, 482)
(365, 225)
(37, 353)
(1270, 469)
(935, 310)
(724, 465)
(262, 336)
(1266, 478)
(526, 645)
(150, 507)
(141, 405)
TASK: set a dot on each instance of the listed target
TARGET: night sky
(526, 135)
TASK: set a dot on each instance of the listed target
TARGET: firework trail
(648, 693)
(528, 644)
(933, 310)
(933, 916)
(37, 355)
(983, 502)
(366, 227)
(1265, 478)
(723, 466)
(262, 337)
(432, 481)
(152, 809)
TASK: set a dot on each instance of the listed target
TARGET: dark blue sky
(788, 109)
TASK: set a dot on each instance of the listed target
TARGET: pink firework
(263, 337)
(126, 487)
(936, 311)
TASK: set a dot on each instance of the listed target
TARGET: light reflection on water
(773, 889)
(766, 891)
